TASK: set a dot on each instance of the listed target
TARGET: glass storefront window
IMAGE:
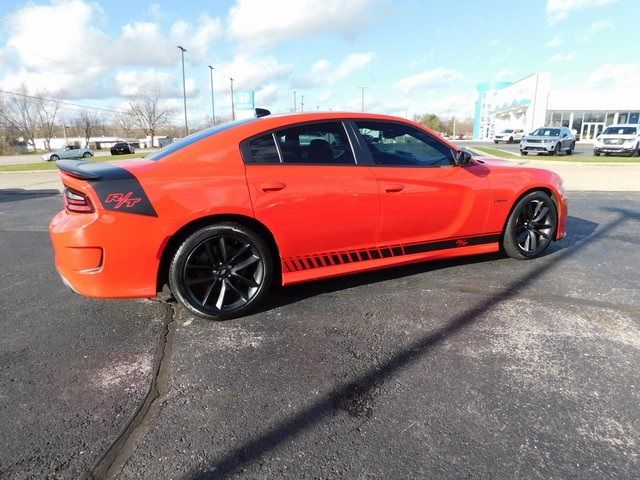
(598, 116)
(634, 117)
(609, 119)
(622, 118)
(577, 122)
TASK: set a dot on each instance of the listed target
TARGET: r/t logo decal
(461, 243)
(122, 199)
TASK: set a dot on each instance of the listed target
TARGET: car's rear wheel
(221, 271)
(531, 226)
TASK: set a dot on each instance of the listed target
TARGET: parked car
(618, 139)
(224, 213)
(509, 135)
(549, 140)
(70, 151)
(120, 148)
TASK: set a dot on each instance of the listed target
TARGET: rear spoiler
(92, 171)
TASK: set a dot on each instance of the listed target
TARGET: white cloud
(258, 22)
(503, 74)
(494, 42)
(560, 9)
(251, 72)
(322, 73)
(131, 83)
(559, 57)
(554, 42)
(597, 27)
(267, 95)
(428, 79)
(615, 76)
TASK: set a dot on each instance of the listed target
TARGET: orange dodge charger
(225, 212)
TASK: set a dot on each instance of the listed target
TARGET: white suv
(509, 135)
(623, 139)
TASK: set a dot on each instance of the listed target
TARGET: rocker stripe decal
(328, 259)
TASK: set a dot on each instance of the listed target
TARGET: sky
(412, 56)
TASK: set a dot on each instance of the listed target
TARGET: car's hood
(615, 135)
(540, 137)
(494, 161)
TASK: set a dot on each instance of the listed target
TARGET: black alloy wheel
(221, 271)
(531, 226)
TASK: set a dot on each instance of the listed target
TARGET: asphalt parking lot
(482, 367)
(582, 148)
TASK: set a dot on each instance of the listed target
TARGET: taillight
(75, 201)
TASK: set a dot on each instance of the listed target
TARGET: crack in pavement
(116, 456)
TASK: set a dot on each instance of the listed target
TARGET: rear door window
(316, 144)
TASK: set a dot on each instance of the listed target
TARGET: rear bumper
(108, 255)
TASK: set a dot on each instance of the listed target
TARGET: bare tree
(20, 114)
(125, 122)
(149, 114)
(47, 112)
(87, 122)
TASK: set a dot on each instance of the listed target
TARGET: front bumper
(537, 147)
(614, 149)
(108, 255)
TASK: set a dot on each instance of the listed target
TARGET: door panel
(435, 203)
(314, 209)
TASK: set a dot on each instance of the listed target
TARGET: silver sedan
(70, 151)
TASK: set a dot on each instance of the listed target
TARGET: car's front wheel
(86, 155)
(221, 271)
(531, 226)
(54, 158)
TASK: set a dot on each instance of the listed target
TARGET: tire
(522, 152)
(221, 271)
(54, 158)
(555, 151)
(510, 140)
(86, 155)
(531, 226)
(495, 141)
(571, 148)
(596, 154)
(635, 152)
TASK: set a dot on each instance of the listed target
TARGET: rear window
(195, 137)
(620, 131)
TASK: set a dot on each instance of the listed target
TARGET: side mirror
(462, 157)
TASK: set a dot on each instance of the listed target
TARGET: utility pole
(302, 103)
(184, 92)
(213, 107)
(233, 108)
(362, 90)
(295, 106)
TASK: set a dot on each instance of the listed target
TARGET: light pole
(213, 105)
(302, 103)
(295, 107)
(362, 90)
(233, 108)
(184, 92)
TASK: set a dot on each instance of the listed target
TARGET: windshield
(195, 137)
(547, 132)
(620, 131)
(508, 130)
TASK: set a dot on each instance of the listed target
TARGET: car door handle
(394, 187)
(272, 187)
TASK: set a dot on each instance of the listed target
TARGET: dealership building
(530, 103)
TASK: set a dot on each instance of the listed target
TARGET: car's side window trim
(369, 156)
(278, 149)
(363, 155)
